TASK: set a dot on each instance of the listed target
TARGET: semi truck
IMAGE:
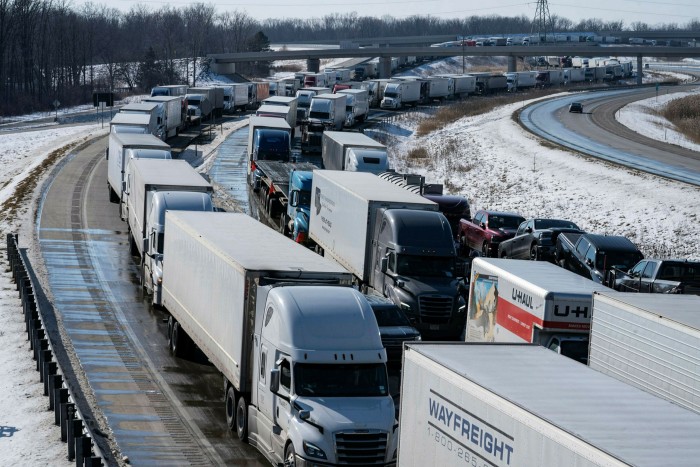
(288, 102)
(257, 92)
(269, 138)
(124, 147)
(521, 80)
(487, 83)
(394, 242)
(316, 80)
(649, 341)
(326, 112)
(155, 112)
(520, 405)
(460, 85)
(356, 106)
(304, 100)
(169, 90)
(399, 94)
(199, 108)
(175, 113)
(133, 123)
(344, 150)
(215, 94)
(153, 183)
(530, 301)
(305, 377)
(436, 89)
(235, 97)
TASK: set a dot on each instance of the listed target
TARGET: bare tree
(199, 19)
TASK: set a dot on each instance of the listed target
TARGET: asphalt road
(162, 410)
(597, 133)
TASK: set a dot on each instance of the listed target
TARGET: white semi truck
(305, 378)
(530, 301)
(519, 405)
(344, 150)
(394, 242)
(175, 113)
(400, 94)
(650, 341)
(124, 147)
(357, 105)
(133, 123)
(156, 112)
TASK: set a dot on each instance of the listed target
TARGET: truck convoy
(530, 301)
(305, 378)
(650, 342)
(399, 94)
(394, 242)
(124, 147)
(344, 150)
(520, 405)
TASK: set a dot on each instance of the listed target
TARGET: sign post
(56, 105)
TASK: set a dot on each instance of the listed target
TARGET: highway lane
(596, 132)
(161, 410)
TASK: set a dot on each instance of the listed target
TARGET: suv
(576, 107)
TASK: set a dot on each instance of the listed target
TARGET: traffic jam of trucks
(316, 306)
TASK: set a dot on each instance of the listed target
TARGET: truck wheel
(290, 456)
(178, 343)
(534, 253)
(231, 408)
(113, 198)
(132, 245)
(242, 419)
(284, 228)
(171, 320)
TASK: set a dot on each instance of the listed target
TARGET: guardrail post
(60, 397)
(50, 369)
(75, 429)
(67, 414)
(45, 356)
(83, 450)
(55, 383)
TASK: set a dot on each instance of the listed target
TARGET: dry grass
(684, 113)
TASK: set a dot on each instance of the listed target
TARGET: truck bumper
(301, 462)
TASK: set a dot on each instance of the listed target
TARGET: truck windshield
(504, 222)
(425, 266)
(392, 94)
(160, 92)
(272, 144)
(576, 349)
(320, 109)
(340, 380)
(390, 316)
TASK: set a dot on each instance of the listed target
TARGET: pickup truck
(486, 231)
(658, 276)
(536, 239)
(592, 256)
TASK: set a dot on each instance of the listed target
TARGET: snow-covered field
(488, 159)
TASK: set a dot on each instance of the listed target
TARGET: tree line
(50, 50)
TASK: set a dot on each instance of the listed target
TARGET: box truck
(215, 94)
(124, 147)
(156, 112)
(199, 108)
(345, 150)
(175, 117)
(530, 301)
(285, 102)
(399, 94)
(305, 378)
(326, 112)
(132, 123)
(357, 105)
(521, 80)
(649, 341)
(394, 242)
(520, 405)
(235, 97)
(169, 90)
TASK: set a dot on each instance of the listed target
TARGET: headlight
(418, 338)
(405, 306)
(313, 451)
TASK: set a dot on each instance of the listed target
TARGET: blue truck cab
(299, 204)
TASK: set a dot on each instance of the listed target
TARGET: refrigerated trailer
(650, 341)
(518, 405)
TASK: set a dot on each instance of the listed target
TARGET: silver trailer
(650, 341)
(520, 405)
(344, 150)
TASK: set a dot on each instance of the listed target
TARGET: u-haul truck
(530, 301)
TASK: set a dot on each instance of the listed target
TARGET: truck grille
(435, 310)
(361, 447)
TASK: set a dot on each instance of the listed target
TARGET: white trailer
(438, 88)
(284, 101)
(399, 94)
(574, 75)
(278, 111)
(132, 123)
(344, 150)
(530, 301)
(169, 90)
(174, 114)
(520, 405)
(124, 147)
(356, 106)
(155, 110)
(235, 97)
(304, 368)
(327, 112)
(463, 85)
(520, 80)
(144, 178)
(650, 341)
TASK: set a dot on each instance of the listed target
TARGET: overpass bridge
(225, 63)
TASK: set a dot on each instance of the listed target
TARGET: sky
(629, 11)
(489, 159)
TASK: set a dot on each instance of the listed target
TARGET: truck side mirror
(146, 244)
(294, 198)
(274, 380)
(384, 264)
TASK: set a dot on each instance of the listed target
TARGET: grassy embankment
(684, 113)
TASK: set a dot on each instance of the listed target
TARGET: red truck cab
(486, 231)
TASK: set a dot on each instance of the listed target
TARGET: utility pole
(542, 22)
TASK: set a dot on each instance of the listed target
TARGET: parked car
(592, 256)
(394, 327)
(536, 239)
(576, 107)
(658, 276)
(487, 230)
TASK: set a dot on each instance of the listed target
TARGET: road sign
(56, 104)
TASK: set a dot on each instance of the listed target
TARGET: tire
(179, 342)
(289, 456)
(284, 230)
(171, 321)
(113, 198)
(242, 419)
(231, 408)
(534, 252)
(133, 250)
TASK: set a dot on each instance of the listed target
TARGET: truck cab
(414, 265)
(299, 205)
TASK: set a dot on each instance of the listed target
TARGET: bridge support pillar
(512, 64)
(313, 65)
(223, 68)
(639, 69)
(385, 67)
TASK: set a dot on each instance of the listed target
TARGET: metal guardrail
(74, 431)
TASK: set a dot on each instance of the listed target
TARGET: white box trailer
(132, 123)
(174, 113)
(520, 405)
(344, 208)
(344, 150)
(650, 341)
(463, 85)
(356, 105)
(303, 363)
(124, 147)
(284, 101)
(144, 178)
(574, 75)
(438, 88)
(530, 301)
(235, 97)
